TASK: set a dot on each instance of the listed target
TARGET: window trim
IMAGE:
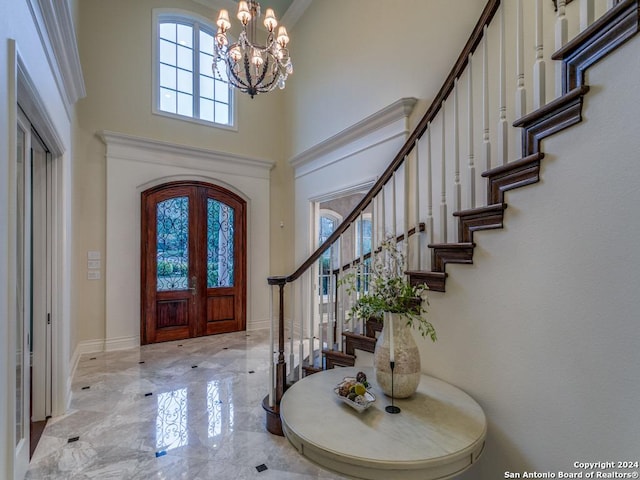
(179, 16)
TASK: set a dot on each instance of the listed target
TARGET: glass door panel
(220, 240)
(172, 246)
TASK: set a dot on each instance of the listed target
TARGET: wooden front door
(193, 262)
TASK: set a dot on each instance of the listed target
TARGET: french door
(193, 256)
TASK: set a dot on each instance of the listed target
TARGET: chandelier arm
(247, 69)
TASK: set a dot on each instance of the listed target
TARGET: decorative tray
(360, 402)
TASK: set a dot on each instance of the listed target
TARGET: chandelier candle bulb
(223, 22)
(283, 37)
(270, 20)
(244, 14)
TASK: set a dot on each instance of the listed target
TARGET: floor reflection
(220, 408)
(171, 421)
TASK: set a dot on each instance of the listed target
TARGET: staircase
(436, 175)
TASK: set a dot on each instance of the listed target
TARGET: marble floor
(177, 410)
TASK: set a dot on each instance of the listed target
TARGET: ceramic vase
(406, 373)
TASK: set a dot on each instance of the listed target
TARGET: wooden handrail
(488, 13)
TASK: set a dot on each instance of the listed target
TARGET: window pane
(185, 104)
(167, 52)
(219, 244)
(222, 92)
(172, 243)
(206, 109)
(206, 42)
(167, 100)
(185, 35)
(222, 113)
(185, 81)
(206, 87)
(168, 31)
(206, 62)
(167, 76)
(185, 58)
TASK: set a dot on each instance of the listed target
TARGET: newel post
(271, 403)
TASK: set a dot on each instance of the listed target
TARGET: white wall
(134, 165)
(354, 58)
(543, 329)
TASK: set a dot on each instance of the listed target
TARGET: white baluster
(429, 188)
(611, 4)
(503, 138)
(394, 219)
(521, 92)
(303, 297)
(311, 282)
(374, 222)
(561, 39)
(360, 237)
(443, 182)
(407, 188)
(321, 316)
(292, 358)
(470, 139)
(383, 215)
(539, 74)
(330, 302)
(416, 209)
(457, 187)
(321, 341)
(485, 101)
(272, 386)
(586, 13)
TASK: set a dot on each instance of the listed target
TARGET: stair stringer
(601, 38)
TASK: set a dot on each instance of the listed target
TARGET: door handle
(193, 286)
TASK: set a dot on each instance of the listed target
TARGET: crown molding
(399, 110)
(138, 149)
(54, 23)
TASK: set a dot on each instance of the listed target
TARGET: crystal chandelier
(251, 67)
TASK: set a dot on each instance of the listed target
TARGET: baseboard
(121, 343)
(258, 324)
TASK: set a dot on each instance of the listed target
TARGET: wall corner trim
(129, 147)
(54, 23)
(398, 110)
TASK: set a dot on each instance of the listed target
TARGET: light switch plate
(93, 255)
(93, 264)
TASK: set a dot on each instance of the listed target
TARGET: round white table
(439, 433)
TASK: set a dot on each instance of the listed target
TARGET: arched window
(184, 83)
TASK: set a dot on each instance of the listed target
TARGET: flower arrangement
(390, 291)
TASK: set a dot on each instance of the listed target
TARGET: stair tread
(337, 353)
(453, 246)
(513, 165)
(496, 207)
(426, 273)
